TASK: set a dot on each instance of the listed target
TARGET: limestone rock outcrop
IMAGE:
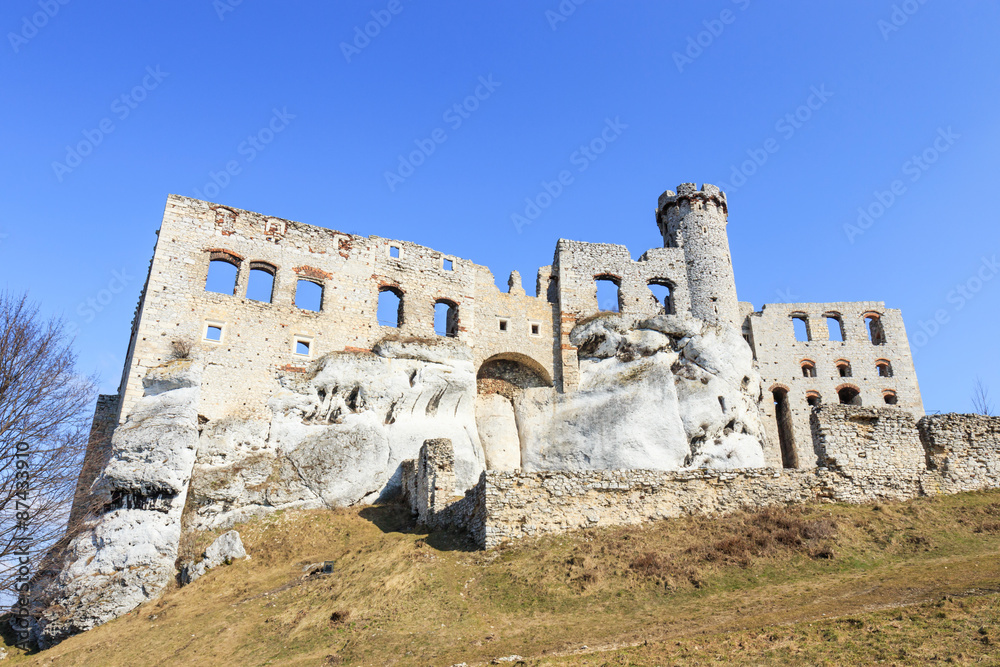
(664, 393)
(498, 432)
(124, 553)
(225, 549)
(340, 431)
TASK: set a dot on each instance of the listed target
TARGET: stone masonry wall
(882, 440)
(258, 338)
(97, 456)
(512, 505)
(520, 505)
(963, 449)
(780, 357)
(576, 267)
(428, 486)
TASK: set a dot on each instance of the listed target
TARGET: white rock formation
(126, 554)
(225, 549)
(498, 432)
(666, 393)
(340, 432)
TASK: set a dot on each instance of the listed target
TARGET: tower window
(609, 293)
(448, 265)
(813, 398)
(844, 368)
(213, 332)
(223, 271)
(849, 395)
(663, 293)
(808, 368)
(835, 326)
(302, 345)
(876, 333)
(503, 324)
(260, 285)
(884, 368)
(393, 251)
(889, 397)
(800, 325)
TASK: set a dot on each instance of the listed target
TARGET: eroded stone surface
(339, 433)
(225, 549)
(662, 394)
(124, 554)
(498, 432)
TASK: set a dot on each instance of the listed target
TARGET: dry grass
(692, 589)
(181, 349)
(951, 631)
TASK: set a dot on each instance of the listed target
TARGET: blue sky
(806, 112)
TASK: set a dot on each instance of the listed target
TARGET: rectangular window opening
(213, 333)
(308, 295)
(302, 346)
(801, 327)
(448, 265)
(260, 285)
(393, 251)
(836, 328)
(503, 325)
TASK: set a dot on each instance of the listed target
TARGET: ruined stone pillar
(435, 477)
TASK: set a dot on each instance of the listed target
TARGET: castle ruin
(519, 414)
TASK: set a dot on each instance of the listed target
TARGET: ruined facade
(247, 343)
(277, 365)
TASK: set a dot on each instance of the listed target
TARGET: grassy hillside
(907, 583)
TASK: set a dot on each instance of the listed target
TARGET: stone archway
(500, 380)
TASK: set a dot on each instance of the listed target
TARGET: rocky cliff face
(124, 553)
(665, 393)
(340, 431)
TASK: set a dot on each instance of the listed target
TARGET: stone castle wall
(780, 359)
(871, 455)
(578, 264)
(882, 440)
(963, 449)
(259, 339)
(98, 454)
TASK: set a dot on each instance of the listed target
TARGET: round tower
(695, 220)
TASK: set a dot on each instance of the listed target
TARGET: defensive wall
(868, 454)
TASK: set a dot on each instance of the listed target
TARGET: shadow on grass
(396, 518)
(8, 636)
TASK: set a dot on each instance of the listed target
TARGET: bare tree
(981, 403)
(45, 411)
